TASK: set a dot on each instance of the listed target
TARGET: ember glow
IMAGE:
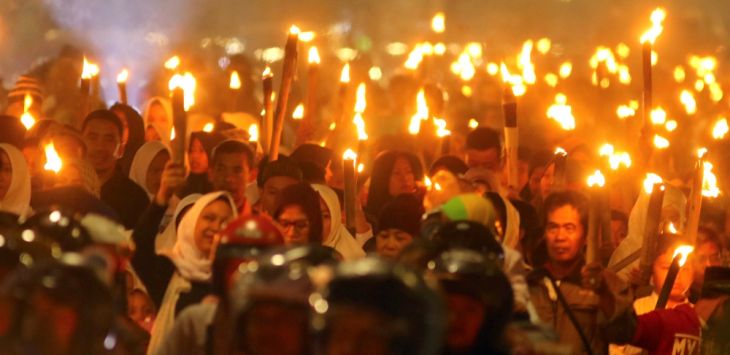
(53, 160)
(597, 179)
(27, 118)
(651, 180)
(235, 81)
(123, 76)
(562, 113)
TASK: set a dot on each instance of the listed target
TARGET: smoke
(133, 34)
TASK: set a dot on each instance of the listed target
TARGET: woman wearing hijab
(399, 224)
(148, 165)
(14, 181)
(394, 173)
(199, 152)
(133, 136)
(157, 116)
(299, 215)
(182, 276)
(334, 233)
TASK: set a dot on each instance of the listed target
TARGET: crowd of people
(125, 250)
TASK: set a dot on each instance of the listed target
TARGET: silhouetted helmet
(60, 227)
(470, 235)
(19, 248)
(375, 303)
(467, 272)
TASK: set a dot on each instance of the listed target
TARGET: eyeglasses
(553, 229)
(298, 225)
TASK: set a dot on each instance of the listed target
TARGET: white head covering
(191, 263)
(339, 238)
(162, 129)
(17, 199)
(511, 236)
(141, 163)
(166, 239)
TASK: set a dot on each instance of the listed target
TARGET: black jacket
(126, 198)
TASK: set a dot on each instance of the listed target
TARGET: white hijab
(339, 238)
(162, 129)
(141, 163)
(165, 240)
(17, 199)
(191, 263)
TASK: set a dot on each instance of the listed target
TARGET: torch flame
(658, 116)
(701, 152)
(298, 113)
(253, 133)
(294, 30)
(267, 73)
(671, 229)
(313, 55)
(720, 129)
(53, 160)
(360, 126)
(562, 113)
(606, 150)
(172, 63)
(345, 74)
(187, 83)
(473, 124)
(427, 182)
(688, 100)
(123, 76)
(90, 70)
(561, 151)
(27, 118)
(307, 36)
(683, 251)
(422, 113)
(172, 134)
(438, 22)
(525, 63)
(657, 17)
(660, 142)
(235, 82)
(349, 154)
(360, 100)
(709, 182)
(651, 180)
(441, 130)
(597, 179)
(625, 111)
(565, 70)
(208, 127)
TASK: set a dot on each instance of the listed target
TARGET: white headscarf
(162, 129)
(339, 238)
(165, 240)
(141, 163)
(17, 199)
(191, 263)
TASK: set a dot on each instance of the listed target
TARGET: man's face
(103, 142)
(564, 234)
(230, 173)
(271, 191)
(619, 229)
(488, 159)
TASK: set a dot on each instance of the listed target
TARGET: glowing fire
(651, 180)
(441, 130)
(313, 56)
(525, 63)
(543, 45)
(90, 70)
(658, 116)
(565, 70)
(625, 111)
(298, 113)
(683, 251)
(53, 160)
(597, 179)
(172, 63)
(123, 76)
(235, 81)
(360, 99)
(172, 134)
(208, 127)
(307, 36)
(473, 124)
(679, 74)
(359, 123)
(27, 118)
(657, 17)
(709, 182)
(671, 229)
(671, 125)
(660, 142)
(688, 100)
(294, 30)
(438, 22)
(253, 133)
(345, 74)
(560, 151)
(421, 114)
(267, 74)
(720, 129)
(349, 154)
(562, 113)
(187, 83)
(463, 67)
(518, 86)
(615, 158)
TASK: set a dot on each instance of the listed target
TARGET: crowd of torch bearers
(349, 123)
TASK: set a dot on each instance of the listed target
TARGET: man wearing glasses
(566, 293)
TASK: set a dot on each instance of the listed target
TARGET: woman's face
(157, 115)
(198, 157)
(402, 179)
(154, 172)
(151, 134)
(6, 174)
(391, 242)
(295, 225)
(211, 221)
(326, 220)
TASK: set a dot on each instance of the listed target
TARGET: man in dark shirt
(102, 132)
